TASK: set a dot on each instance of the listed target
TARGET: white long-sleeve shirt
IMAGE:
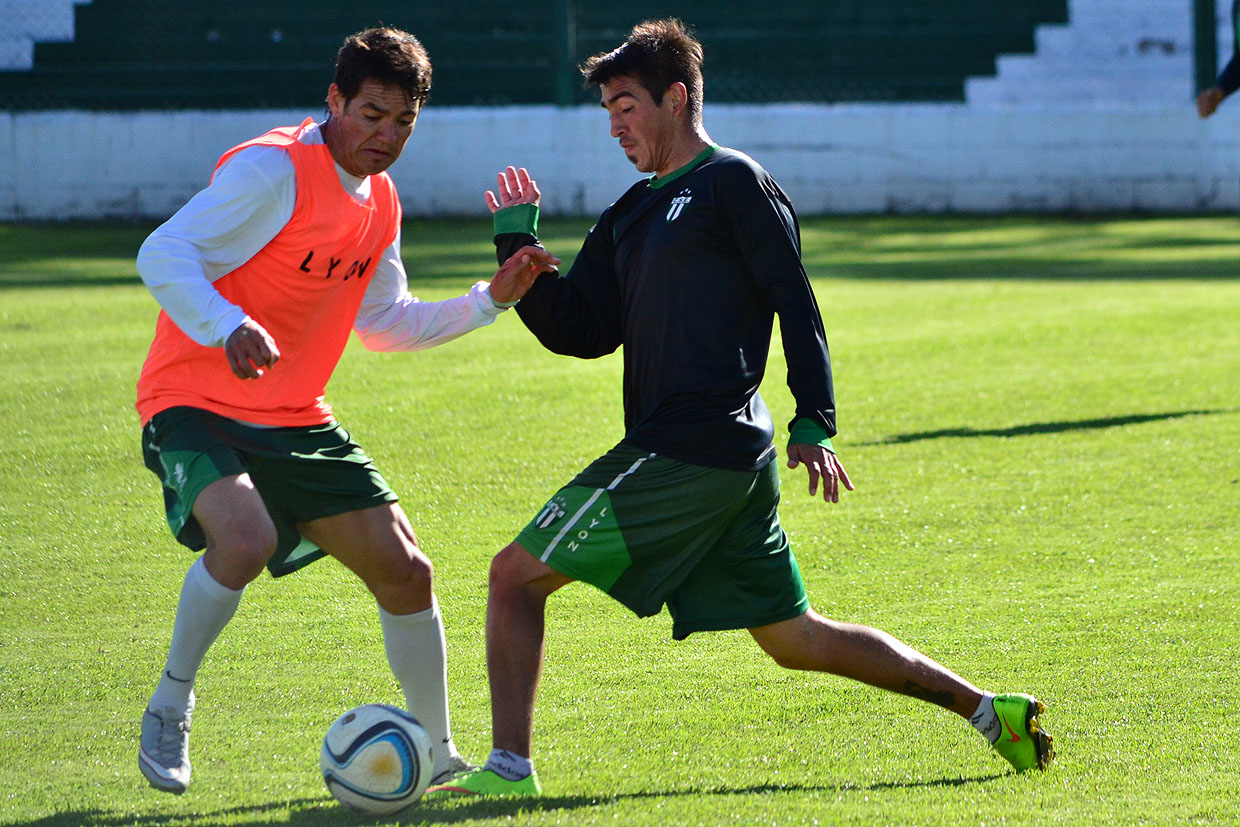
(249, 201)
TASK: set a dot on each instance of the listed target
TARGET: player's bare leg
(379, 546)
(516, 621)
(240, 540)
(814, 643)
(519, 587)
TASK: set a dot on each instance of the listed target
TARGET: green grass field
(1042, 417)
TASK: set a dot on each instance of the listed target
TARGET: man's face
(367, 133)
(645, 130)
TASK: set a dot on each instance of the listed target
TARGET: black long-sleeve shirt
(687, 272)
(1229, 78)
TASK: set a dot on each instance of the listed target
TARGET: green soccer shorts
(651, 531)
(302, 474)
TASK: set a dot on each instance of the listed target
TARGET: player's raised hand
(249, 349)
(515, 276)
(823, 466)
(515, 186)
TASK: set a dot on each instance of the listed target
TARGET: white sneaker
(456, 764)
(163, 755)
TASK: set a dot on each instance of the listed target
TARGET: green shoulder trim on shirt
(657, 182)
(519, 218)
(808, 432)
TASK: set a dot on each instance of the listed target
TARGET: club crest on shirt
(679, 203)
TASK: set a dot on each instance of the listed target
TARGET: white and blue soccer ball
(377, 759)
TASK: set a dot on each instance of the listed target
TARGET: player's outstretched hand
(249, 349)
(514, 277)
(823, 466)
(515, 186)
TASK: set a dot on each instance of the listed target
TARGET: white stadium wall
(1100, 118)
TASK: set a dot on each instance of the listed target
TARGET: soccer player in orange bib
(260, 277)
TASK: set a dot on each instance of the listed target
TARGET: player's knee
(240, 554)
(805, 643)
(419, 574)
(404, 586)
(518, 577)
(509, 571)
(501, 576)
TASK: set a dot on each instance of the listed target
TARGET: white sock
(205, 607)
(509, 765)
(415, 649)
(985, 720)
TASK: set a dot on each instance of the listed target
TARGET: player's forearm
(410, 324)
(809, 366)
(558, 310)
(566, 322)
(815, 398)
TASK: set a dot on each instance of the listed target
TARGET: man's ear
(335, 101)
(679, 94)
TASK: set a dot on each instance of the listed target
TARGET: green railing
(144, 54)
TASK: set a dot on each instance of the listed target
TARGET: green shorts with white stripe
(653, 531)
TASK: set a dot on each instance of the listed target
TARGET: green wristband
(809, 432)
(519, 218)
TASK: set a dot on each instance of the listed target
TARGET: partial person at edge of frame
(1228, 79)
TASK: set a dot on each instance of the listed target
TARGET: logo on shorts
(551, 514)
(174, 476)
(583, 534)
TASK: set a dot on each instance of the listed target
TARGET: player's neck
(331, 136)
(691, 145)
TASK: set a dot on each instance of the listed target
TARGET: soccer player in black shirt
(1229, 79)
(687, 271)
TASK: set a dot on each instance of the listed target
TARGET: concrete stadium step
(27, 21)
(1112, 53)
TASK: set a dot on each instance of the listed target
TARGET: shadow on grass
(1002, 268)
(1044, 427)
(18, 282)
(458, 251)
(311, 812)
(449, 812)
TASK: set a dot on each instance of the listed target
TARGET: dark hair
(657, 54)
(387, 55)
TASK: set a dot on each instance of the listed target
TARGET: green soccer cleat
(487, 783)
(1022, 741)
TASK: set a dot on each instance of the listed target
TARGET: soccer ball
(376, 759)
